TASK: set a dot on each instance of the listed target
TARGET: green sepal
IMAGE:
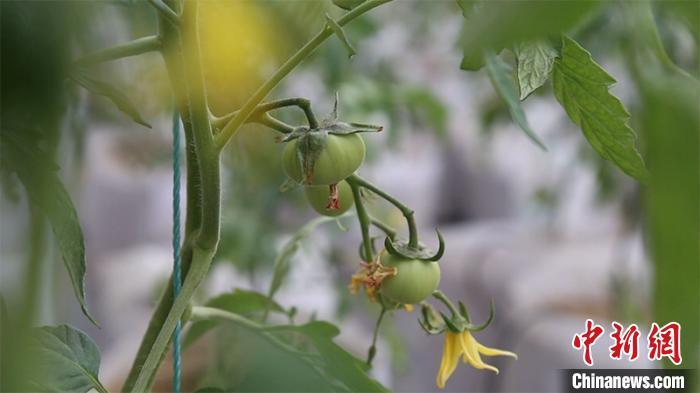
(477, 328)
(450, 324)
(309, 149)
(431, 322)
(463, 311)
(401, 248)
(342, 128)
(297, 132)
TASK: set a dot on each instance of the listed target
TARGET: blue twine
(177, 279)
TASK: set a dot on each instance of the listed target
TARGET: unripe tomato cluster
(321, 162)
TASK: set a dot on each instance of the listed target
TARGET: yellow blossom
(465, 345)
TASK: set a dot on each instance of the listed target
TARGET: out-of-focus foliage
(494, 25)
(672, 136)
(35, 98)
(501, 74)
(249, 352)
(64, 359)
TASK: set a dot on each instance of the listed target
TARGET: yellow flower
(463, 344)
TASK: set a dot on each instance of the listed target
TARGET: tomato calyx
(402, 248)
(332, 125)
(436, 322)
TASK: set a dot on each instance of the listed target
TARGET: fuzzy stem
(181, 54)
(164, 11)
(364, 219)
(261, 110)
(133, 48)
(373, 348)
(382, 226)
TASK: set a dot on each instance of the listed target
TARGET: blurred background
(552, 237)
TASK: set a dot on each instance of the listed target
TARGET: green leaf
(501, 24)
(210, 389)
(105, 89)
(38, 174)
(501, 76)
(535, 62)
(64, 360)
(581, 86)
(338, 362)
(239, 302)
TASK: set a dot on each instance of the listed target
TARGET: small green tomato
(415, 279)
(339, 158)
(332, 200)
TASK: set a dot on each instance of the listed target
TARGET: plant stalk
(364, 219)
(134, 48)
(405, 210)
(260, 94)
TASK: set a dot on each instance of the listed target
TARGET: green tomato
(339, 158)
(321, 199)
(414, 281)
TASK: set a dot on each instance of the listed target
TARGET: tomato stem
(405, 210)
(133, 48)
(437, 294)
(260, 114)
(389, 231)
(260, 94)
(373, 348)
(364, 219)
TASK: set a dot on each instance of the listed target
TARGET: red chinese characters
(662, 342)
(586, 339)
(626, 342)
(665, 342)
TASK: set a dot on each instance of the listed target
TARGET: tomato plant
(520, 46)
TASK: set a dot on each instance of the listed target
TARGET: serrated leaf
(581, 87)
(64, 360)
(38, 174)
(501, 76)
(115, 95)
(501, 24)
(239, 302)
(535, 61)
(350, 370)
